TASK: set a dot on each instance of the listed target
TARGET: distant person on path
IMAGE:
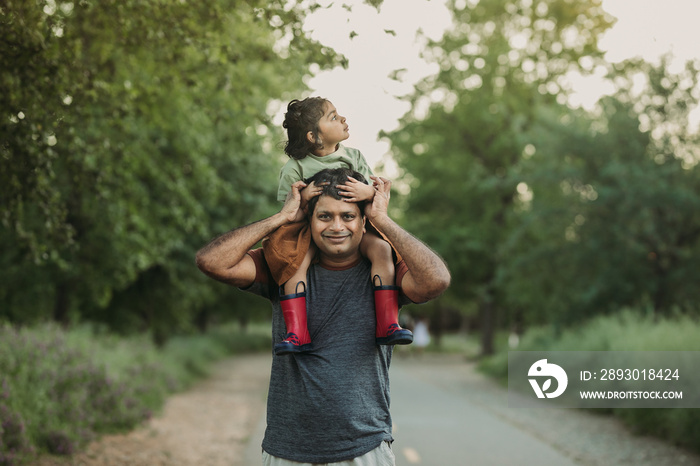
(421, 335)
(330, 404)
(315, 131)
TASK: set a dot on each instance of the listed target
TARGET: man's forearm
(224, 257)
(227, 250)
(428, 270)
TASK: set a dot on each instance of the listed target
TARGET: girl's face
(332, 128)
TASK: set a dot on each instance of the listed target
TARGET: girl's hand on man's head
(355, 191)
(311, 190)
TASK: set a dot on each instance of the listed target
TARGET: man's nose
(337, 224)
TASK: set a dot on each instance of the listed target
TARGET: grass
(625, 331)
(61, 389)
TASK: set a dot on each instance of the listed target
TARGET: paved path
(444, 426)
(447, 414)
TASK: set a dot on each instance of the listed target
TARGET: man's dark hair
(333, 177)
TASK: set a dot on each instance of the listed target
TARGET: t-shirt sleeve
(289, 174)
(362, 166)
(261, 284)
(401, 269)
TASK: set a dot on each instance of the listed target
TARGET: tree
(131, 132)
(501, 64)
(611, 222)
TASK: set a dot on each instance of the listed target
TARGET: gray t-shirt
(331, 404)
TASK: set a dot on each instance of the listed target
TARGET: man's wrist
(279, 219)
(379, 220)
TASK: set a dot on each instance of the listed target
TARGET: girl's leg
(380, 254)
(300, 275)
(293, 302)
(386, 294)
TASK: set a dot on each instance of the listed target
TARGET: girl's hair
(302, 116)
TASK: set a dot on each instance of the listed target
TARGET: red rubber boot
(386, 305)
(297, 339)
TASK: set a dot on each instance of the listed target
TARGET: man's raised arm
(225, 258)
(427, 275)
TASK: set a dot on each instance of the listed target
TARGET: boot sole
(402, 337)
(289, 348)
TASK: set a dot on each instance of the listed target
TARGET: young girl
(315, 131)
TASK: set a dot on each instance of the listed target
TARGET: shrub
(624, 331)
(61, 389)
(56, 397)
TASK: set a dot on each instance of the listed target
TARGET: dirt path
(209, 424)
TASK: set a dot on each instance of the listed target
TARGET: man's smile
(336, 238)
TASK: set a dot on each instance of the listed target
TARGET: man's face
(337, 228)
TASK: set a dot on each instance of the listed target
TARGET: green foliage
(611, 218)
(626, 330)
(59, 390)
(192, 355)
(547, 213)
(62, 397)
(462, 145)
(131, 133)
(679, 426)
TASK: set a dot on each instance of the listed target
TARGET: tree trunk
(61, 304)
(243, 322)
(202, 321)
(488, 326)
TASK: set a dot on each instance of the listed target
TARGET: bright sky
(367, 96)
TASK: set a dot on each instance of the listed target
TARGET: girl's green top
(296, 170)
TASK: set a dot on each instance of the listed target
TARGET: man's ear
(364, 224)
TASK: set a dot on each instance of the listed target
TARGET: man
(331, 404)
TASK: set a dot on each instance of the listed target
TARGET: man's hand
(292, 211)
(225, 258)
(355, 191)
(380, 203)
